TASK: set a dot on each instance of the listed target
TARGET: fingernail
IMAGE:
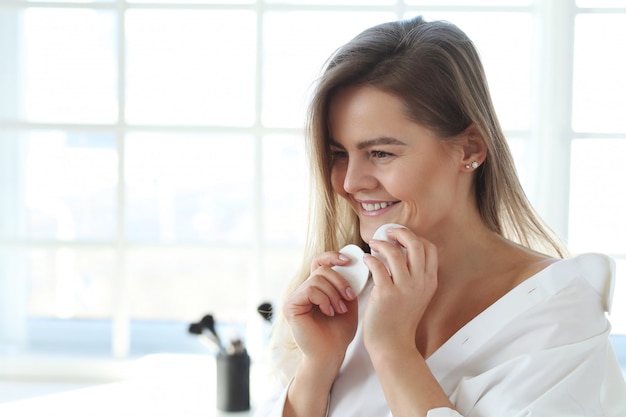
(343, 257)
(332, 311)
(342, 307)
(350, 293)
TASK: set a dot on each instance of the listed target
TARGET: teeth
(376, 206)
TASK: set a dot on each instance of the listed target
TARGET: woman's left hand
(398, 301)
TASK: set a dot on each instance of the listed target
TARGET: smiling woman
(471, 312)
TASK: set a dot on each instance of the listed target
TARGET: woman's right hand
(322, 312)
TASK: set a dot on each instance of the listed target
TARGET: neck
(466, 247)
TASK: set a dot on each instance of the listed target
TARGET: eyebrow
(383, 140)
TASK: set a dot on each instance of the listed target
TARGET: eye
(380, 154)
(338, 154)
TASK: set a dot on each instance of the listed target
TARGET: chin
(367, 232)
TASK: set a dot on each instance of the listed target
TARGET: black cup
(233, 381)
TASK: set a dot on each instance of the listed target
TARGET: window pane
(68, 337)
(190, 67)
(10, 69)
(185, 284)
(506, 58)
(599, 102)
(280, 266)
(57, 183)
(69, 283)
(294, 51)
(66, 66)
(598, 196)
(285, 189)
(189, 188)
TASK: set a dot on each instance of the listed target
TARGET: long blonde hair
(434, 68)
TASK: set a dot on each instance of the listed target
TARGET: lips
(368, 207)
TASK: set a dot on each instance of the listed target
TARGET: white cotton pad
(381, 234)
(356, 272)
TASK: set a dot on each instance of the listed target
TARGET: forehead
(362, 114)
(360, 102)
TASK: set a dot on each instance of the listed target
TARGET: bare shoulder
(459, 300)
(525, 263)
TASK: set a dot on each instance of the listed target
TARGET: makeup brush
(208, 322)
(208, 340)
(265, 310)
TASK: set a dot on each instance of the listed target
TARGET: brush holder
(233, 381)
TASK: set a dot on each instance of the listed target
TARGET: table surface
(164, 386)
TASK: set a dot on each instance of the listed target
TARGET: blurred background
(152, 167)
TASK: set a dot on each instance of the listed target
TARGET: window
(152, 164)
(597, 136)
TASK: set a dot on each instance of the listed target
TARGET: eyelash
(380, 154)
(339, 154)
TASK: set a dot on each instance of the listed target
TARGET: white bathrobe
(540, 350)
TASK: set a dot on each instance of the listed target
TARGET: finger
(341, 284)
(329, 259)
(402, 238)
(306, 301)
(414, 247)
(380, 274)
(332, 285)
(392, 256)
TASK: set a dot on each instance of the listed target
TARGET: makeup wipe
(356, 272)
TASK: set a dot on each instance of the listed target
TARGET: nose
(358, 176)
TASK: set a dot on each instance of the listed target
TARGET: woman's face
(389, 168)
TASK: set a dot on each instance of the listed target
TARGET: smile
(377, 206)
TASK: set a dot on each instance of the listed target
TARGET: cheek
(410, 215)
(411, 192)
(400, 185)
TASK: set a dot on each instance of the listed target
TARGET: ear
(474, 148)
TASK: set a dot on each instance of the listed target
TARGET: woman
(481, 317)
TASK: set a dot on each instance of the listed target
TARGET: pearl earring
(473, 165)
